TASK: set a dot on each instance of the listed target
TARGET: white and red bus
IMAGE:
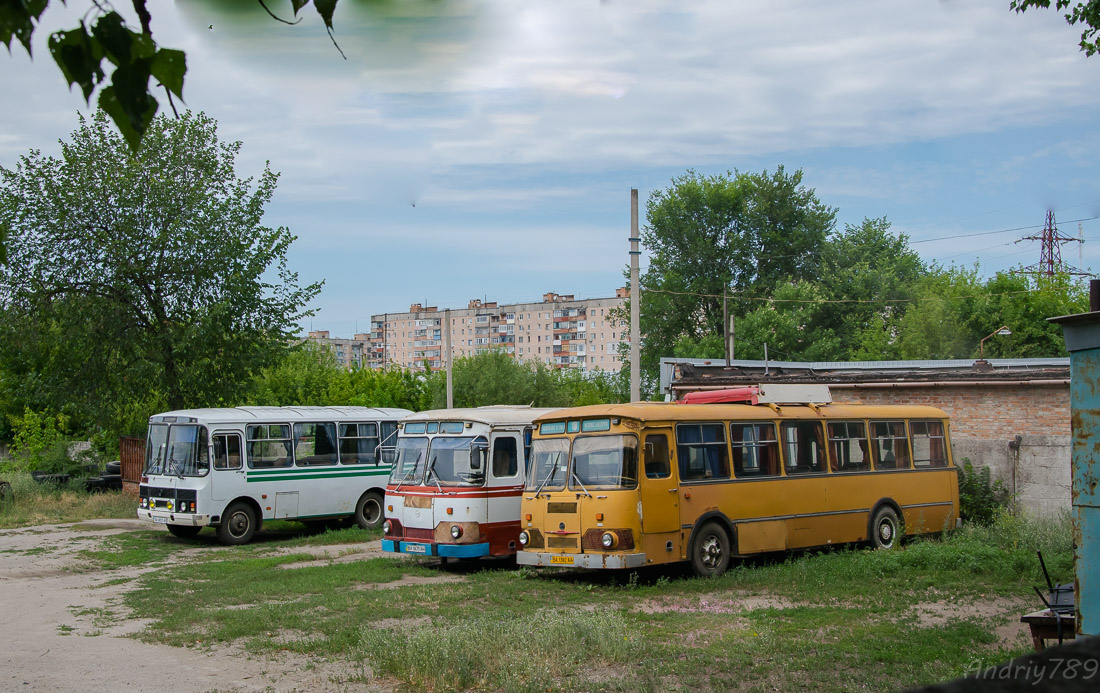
(455, 487)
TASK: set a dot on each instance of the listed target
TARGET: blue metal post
(1082, 335)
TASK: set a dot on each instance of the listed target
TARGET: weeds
(980, 498)
(33, 503)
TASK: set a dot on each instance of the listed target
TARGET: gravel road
(55, 638)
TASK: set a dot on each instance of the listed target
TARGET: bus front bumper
(581, 560)
(419, 548)
(165, 517)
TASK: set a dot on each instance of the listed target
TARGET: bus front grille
(561, 543)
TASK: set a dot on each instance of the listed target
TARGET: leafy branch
(102, 34)
(1087, 13)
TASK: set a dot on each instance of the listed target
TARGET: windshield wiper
(431, 473)
(550, 475)
(581, 484)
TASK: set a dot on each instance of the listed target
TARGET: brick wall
(982, 412)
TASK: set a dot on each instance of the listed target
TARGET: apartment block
(559, 331)
(350, 353)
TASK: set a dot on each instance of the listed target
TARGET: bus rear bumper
(581, 560)
(415, 548)
(164, 517)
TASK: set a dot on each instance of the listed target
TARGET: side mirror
(478, 453)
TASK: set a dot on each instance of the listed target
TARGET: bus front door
(660, 498)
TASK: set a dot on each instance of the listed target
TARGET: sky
(486, 148)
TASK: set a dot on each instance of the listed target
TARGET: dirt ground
(51, 640)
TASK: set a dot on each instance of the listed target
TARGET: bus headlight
(456, 531)
(608, 540)
(387, 527)
(524, 537)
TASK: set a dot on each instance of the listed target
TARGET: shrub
(980, 498)
(35, 437)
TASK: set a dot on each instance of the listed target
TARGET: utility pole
(635, 299)
(448, 362)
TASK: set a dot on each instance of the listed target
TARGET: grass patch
(130, 549)
(32, 503)
(483, 652)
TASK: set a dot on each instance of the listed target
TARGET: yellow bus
(629, 485)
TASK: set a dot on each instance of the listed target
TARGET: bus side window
(755, 449)
(802, 447)
(358, 443)
(527, 451)
(702, 451)
(848, 446)
(388, 443)
(269, 446)
(656, 457)
(929, 444)
(227, 451)
(505, 462)
(315, 444)
(889, 445)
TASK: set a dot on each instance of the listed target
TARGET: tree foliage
(311, 376)
(1085, 13)
(131, 54)
(736, 233)
(140, 279)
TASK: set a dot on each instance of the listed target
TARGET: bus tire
(184, 531)
(885, 528)
(710, 550)
(238, 524)
(368, 511)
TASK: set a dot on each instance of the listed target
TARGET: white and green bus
(234, 468)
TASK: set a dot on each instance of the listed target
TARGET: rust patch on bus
(418, 501)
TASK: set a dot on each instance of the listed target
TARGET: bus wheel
(238, 525)
(884, 528)
(710, 553)
(368, 511)
(184, 531)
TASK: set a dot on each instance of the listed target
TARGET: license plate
(160, 520)
(416, 548)
(561, 560)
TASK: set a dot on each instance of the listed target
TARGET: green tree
(1084, 13)
(141, 275)
(868, 275)
(740, 233)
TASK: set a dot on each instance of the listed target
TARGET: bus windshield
(605, 462)
(412, 457)
(183, 452)
(457, 461)
(548, 466)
